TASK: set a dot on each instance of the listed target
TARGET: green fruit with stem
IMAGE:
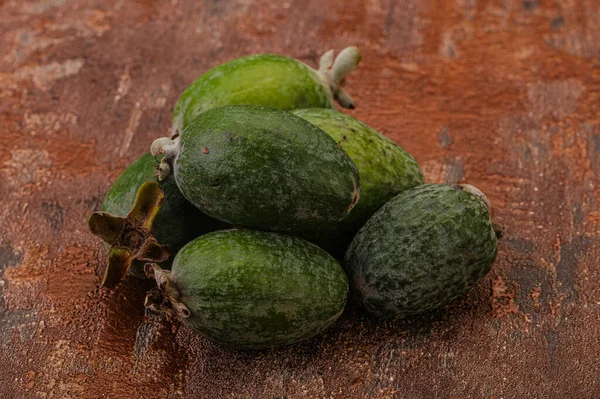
(263, 168)
(250, 289)
(269, 80)
(143, 222)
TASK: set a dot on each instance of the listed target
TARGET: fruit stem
(170, 148)
(333, 72)
(498, 230)
(165, 297)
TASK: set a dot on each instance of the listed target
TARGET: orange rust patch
(72, 276)
(503, 299)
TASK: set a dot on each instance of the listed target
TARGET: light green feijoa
(385, 170)
(263, 168)
(423, 248)
(251, 290)
(269, 80)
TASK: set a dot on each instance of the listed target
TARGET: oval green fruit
(252, 290)
(269, 80)
(263, 168)
(425, 247)
(385, 170)
(177, 221)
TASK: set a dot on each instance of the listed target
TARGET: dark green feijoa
(177, 222)
(425, 247)
(251, 290)
(261, 167)
(385, 169)
(269, 80)
(162, 215)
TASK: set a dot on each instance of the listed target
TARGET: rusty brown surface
(504, 94)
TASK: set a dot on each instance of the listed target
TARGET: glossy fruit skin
(253, 290)
(177, 222)
(425, 247)
(385, 170)
(265, 168)
(266, 79)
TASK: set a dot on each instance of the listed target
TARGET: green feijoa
(261, 167)
(269, 80)
(175, 222)
(250, 289)
(385, 170)
(423, 248)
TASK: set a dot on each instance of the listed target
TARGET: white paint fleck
(124, 83)
(44, 75)
(41, 7)
(47, 122)
(448, 47)
(27, 166)
(27, 42)
(134, 121)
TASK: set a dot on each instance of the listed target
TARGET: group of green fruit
(264, 189)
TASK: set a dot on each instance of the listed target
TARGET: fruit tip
(476, 192)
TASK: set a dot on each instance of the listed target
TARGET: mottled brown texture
(502, 94)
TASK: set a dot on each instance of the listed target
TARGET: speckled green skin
(177, 222)
(270, 80)
(265, 168)
(254, 290)
(385, 170)
(422, 249)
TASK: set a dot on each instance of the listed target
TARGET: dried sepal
(119, 262)
(106, 226)
(131, 237)
(165, 297)
(148, 202)
(333, 72)
(169, 147)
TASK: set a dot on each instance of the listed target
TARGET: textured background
(504, 94)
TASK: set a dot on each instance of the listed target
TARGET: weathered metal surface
(502, 94)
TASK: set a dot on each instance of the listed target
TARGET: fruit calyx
(130, 238)
(498, 228)
(476, 192)
(333, 71)
(169, 146)
(164, 298)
